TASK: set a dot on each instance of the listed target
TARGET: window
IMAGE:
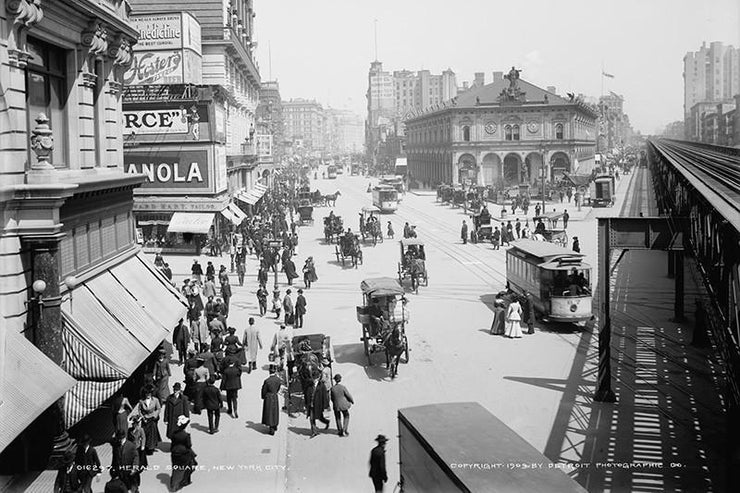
(46, 92)
(515, 131)
(507, 132)
(466, 133)
(559, 131)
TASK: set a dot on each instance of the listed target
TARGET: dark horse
(309, 370)
(331, 199)
(395, 345)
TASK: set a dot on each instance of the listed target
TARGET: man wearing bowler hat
(377, 463)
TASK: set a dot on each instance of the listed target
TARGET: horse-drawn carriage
(305, 214)
(444, 193)
(549, 230)
(459, 196)
(349, 248)
(371, 229)
(413, 263)
(333, 227)
(482, 226)
(308, 352)
(383, 316)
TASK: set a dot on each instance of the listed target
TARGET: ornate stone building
(67, 227)
(500, 134)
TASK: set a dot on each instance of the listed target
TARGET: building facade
(614, 124)
(305, 122)
(214, 121)
(345, 132)
(61, 70)
(501, 134)
(711, 75)
(270, 113)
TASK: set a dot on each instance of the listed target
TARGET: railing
(228, 33)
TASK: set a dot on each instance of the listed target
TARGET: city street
(452, 356)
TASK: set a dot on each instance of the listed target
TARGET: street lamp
(543, 151)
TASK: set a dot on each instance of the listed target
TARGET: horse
(331, 199)
(395, 345)
(309, 370)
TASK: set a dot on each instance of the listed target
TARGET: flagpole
(602, 78)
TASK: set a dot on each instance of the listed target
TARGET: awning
(230, 216)
(32, 383)
(190, 222)
(112, 323)
(237, 212)
(253, 195)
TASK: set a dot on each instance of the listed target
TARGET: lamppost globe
(70, 282)
(38, 286)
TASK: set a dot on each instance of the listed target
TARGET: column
(46, 322)
(604, 391)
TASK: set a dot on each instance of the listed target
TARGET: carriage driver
(349, 237)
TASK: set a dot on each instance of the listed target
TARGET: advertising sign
(155, 122)
(155, 67)
(220, 165)
(169, 31)
(171, 171)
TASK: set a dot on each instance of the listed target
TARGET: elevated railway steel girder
(702, 182)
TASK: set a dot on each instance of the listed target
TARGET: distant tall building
(305, 122)
(270, 116)
(394, 96)
(345, 132)
(614, 124)
(711, 75)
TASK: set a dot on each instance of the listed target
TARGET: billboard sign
(168, 31)
(155, 67)
(171, 171)
(172, 121)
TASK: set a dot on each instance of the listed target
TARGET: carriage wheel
(406, 351)
(342, 260)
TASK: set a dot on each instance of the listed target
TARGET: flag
(607, 75)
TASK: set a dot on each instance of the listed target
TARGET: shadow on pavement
(378, 371)
(258, 427)
(199, 427)
(350, 353)
(306, 432)
(667, 430)
(164, 478)
(488, 299)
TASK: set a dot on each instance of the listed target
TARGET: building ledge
(85, 180)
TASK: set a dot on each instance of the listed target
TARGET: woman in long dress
(514, 320)
(148, 408)
(498, 327)
(121, 409)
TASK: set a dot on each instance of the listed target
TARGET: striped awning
(112, 323)
(191, 222)
(252, 196)
(31, 383)
(238, 213)
(230, 216)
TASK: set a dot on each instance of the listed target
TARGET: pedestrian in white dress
(514, 320)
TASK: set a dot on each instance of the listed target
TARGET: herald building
(503, 134)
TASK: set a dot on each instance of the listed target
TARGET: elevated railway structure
(697, 191)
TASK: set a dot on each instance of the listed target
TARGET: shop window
(46, 92)
(559, 131)
(515, 132)
(507, 132)
(466, 133)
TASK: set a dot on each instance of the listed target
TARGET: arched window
(507, 132)
(466, 133)
(515, 131)
(559, 131)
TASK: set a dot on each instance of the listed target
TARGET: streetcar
(395, 182)
(602, 191)
(385, 198)
(558, 279)
(331, 172)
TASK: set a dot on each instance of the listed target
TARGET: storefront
(178, 143)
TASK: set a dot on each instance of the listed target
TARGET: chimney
(480, 79)
(498, 76)
(551, 89)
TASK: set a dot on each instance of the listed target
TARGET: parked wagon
(482, 226)
(349, 248)
(602, 191)
(305, 214)
(384, 316)
(413, 263)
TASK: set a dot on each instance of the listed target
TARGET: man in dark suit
(377, 463)
(270, 404)
(176, 405)
(87, 464)
(115, 485)
(231, 382)
(342, 401)
(212, 400)
(300, 309)
(125, 460)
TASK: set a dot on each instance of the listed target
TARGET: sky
(322, 49)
